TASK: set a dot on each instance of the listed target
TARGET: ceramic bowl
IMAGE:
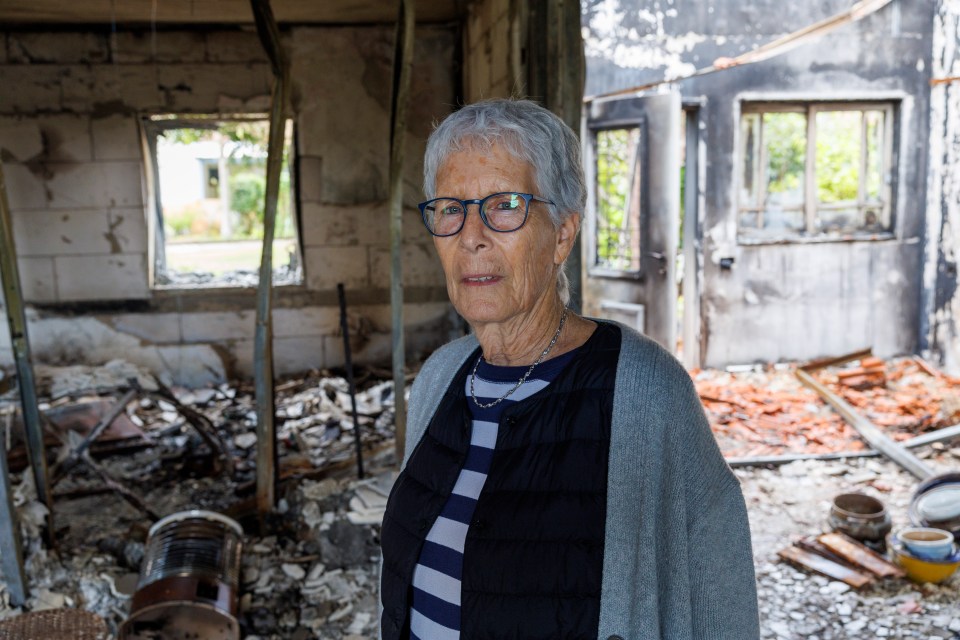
(918, 569)
(927, 543)
(936, 503)
(859, 516)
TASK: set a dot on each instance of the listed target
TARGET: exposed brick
(344, 224)
(326, 266)
(414, 315)
(377, 348)
(198, 87)
(20, 138)
(57, 47)
(149, 46)
(127, 230)
(111, 88)
(113, 277)
(116, 138)
(25, 189)
(66, 138)
(38, 88)
(37, 279)
(68, 232)
(212, 327)
(305, 321)
(153, 328)
(234, 46)
(421, 267)
(95, 184)
(310, 176)
(296, 355)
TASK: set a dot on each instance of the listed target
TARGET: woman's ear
(566, 235)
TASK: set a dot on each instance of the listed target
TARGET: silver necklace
(473, 375)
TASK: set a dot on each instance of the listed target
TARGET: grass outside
(225, 256)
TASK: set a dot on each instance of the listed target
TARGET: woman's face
(495, 277)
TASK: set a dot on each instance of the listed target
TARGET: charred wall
(809, 297)
(941, 330)
(74, 162)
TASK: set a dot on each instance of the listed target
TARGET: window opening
(815, 170)
(619, 189)
(210, 184)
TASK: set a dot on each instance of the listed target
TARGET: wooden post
(402, 67)
(269, 34)
(17, 321)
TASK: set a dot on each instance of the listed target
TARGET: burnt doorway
(632, 231)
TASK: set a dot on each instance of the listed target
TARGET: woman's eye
(451, 211)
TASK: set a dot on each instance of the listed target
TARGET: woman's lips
(480, 280)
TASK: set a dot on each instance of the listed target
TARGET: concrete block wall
(488, 46)
(72, 155)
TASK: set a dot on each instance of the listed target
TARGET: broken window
(618, 199)
(208, 186)
(815, 170)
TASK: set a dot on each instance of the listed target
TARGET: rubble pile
(793, 501)
(312, 572)
(767, 411)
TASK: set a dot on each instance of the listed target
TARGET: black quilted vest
(533, 557)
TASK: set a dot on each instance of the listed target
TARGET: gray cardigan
(677, 560)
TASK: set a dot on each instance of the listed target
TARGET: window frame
(890, 107)
(594, 269)
(152, 125)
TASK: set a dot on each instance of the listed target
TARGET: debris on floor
(769, 412)
(313, 573)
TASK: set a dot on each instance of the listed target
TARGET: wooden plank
(828, 568)
(822, 363)
(860, 555)
(269, 34)
(867, 430)
(17, 322)
(400, 97)
(811, 544)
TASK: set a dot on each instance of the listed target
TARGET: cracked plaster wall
(71, 151)
(942, 308)
(803, 300)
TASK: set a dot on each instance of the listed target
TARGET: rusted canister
(189, 580)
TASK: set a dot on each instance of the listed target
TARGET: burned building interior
(215, 276)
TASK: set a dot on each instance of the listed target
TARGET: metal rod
(867, 430)
(17, 321)
(402, 68)
(345, 330)
(269, 34)
(11, 548)
(940, 435)
(77, 453)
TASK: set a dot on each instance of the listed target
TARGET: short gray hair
(532, 134)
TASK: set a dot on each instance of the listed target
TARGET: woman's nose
(474, 231)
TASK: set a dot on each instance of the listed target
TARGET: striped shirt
(435, 611)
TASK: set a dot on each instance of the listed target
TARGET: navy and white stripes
(435, 611)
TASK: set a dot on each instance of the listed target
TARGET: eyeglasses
(501, 212)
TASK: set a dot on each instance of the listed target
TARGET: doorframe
(693, 329)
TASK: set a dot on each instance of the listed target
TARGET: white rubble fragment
(294, 571)
(245, 440)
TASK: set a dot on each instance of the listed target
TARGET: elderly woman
(560, 478)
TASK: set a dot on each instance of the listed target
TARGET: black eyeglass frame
(527, 198)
